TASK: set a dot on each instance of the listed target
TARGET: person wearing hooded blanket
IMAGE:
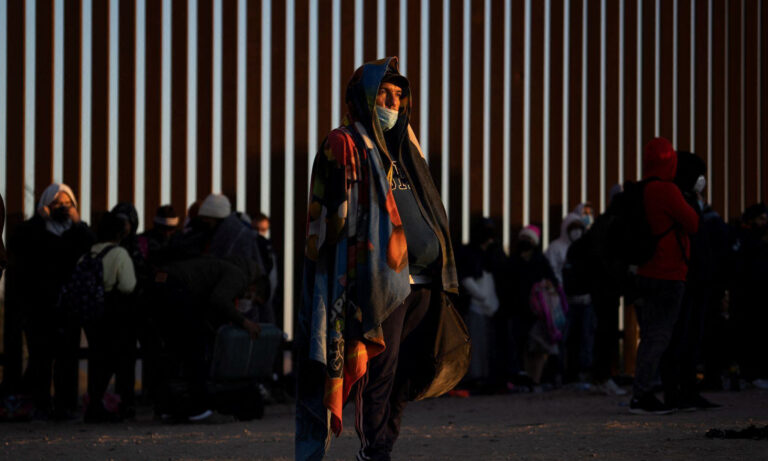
(661, 281)
(43, 252)
(377, 254)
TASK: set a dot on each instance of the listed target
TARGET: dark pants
(112, 350)
(606, 345)
(658, 308)
(678, 365)
(53, 353)
(383, 396)
(183, 365)
(579, 340)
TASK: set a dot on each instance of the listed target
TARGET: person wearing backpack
(43, 252)
(660, 282)
(110, 345)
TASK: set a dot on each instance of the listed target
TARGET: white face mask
(387, 117)
(701, 183)
(575, 234)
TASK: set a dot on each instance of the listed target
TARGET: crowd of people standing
(542, 319)
(167, 289)
(537, 319)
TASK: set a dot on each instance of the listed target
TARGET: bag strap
(664, 234)
(682, 249)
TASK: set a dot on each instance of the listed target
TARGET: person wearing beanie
(215, 206)
(660, 282)
(216, 231)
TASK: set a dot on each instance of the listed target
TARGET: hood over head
(659, 160)
(361, 96)
(52, 224)
(50, 193)
(573, 217)
(689, 167)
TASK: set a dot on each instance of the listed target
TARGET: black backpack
(628, 237)
(82, 297)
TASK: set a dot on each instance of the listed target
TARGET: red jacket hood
(659, 160)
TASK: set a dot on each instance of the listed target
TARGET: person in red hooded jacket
(660, 281)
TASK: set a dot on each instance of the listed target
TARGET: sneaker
(200, 417)
(610, 387)
(700, 403)
(647, 405)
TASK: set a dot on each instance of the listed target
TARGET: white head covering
(215, 206)
(49, 195)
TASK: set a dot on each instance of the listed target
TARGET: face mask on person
(701, 183)
(60, 214)
(387, 117)
(575, 234)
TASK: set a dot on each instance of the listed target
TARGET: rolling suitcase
(236, 356)
(238, 364)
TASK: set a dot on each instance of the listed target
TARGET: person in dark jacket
(132, 304)
(194, 298)
(479, 264)
(155, 242)
(112, 337)
(526, 266)
(749, 315)
(661, 281)
(216, 231)
(678, 365)
(43, 252)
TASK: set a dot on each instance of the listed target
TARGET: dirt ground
(558, 425)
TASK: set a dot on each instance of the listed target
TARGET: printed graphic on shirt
(399, 179)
